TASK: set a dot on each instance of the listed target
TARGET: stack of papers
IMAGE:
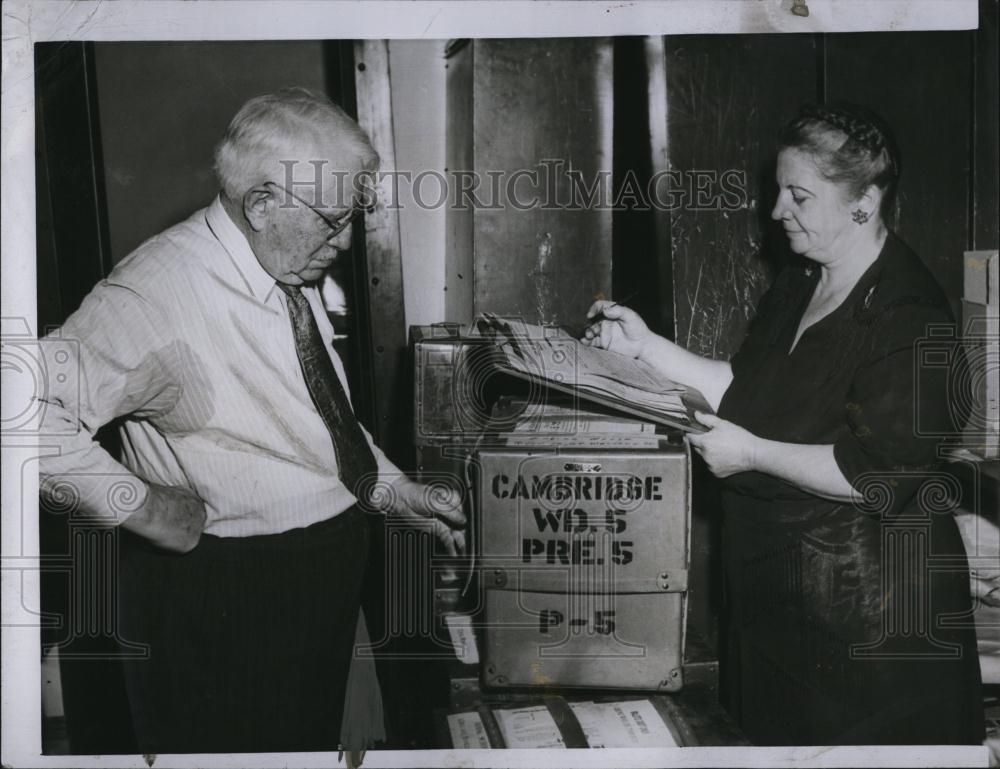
(554, 358)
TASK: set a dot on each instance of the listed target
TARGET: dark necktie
(354, 455)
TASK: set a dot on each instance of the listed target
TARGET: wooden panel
(537, 100)
(459, 218)
(727, 96)
(920, 82)
(654, 53)
(986, 159)
(382, 247)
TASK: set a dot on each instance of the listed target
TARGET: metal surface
(459, 223)
(521, 112)
(611, 641)
(450, 386)
(439, 463)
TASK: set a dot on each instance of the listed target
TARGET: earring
(859, 216)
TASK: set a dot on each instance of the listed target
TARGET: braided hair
(851, 145)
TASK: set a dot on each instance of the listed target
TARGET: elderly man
(243, 464)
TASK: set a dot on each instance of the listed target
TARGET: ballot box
(583, 537)
(448, 410)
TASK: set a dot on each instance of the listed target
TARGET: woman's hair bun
(860, 127)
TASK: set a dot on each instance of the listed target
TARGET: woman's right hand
(619, 329)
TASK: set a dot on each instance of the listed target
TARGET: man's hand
(172, 517)
(437, 507)
(616, 328)
(726, 448)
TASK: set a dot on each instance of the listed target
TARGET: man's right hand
(172, 517)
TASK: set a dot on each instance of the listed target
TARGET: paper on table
(467, 731)
(530, 727)
(634, 724)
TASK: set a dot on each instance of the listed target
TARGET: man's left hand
(437, 507)
(726, 448)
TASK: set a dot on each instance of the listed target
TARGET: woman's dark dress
(849, 625)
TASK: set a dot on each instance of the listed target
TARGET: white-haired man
(247, 547)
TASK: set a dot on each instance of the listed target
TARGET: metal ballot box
(452, 385)
(584, 542)
(452, 392)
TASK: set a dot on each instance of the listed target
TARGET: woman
(842, 565)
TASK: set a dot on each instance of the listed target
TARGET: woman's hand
(729, 449)
(621, 331)
(726, 448)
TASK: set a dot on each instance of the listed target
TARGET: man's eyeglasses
(337, 225)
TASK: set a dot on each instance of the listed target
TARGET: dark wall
(727, 96)
(72, 248)
(164, 106)
(529, 101)
(922, 84)
(985, 129)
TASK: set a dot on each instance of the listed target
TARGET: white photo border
(26, 22)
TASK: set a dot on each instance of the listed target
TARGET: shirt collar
(258, 280)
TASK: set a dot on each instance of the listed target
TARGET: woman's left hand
(726, 448)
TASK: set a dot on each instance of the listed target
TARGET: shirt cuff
(88, 485)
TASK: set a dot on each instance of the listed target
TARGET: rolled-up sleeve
(901, 401)
(111, 356)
